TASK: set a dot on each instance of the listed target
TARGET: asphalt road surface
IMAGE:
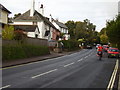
(78, 70)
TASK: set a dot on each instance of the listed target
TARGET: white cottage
(3, 17)
(35, 18)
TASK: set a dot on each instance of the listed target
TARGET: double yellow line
(112, 80)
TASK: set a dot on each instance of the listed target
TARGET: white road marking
(119, 82)
(69, 64)
(44, 73)
(90, 54)
(112, 80)
(86, 56)
(60, 78)
(5, 87)
(80, 60)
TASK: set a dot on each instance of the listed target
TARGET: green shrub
(70, 44)
(8, 32)
(34, 50)
(11, 52)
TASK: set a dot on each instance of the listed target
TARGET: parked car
(105, 48)
(89, 47)
(113, 52)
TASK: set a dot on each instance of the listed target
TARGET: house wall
(67, 36)
(23, 23)
(50, 35)
(41, 27)
(3, 17)
(55, 34)
(31, 34)
(64, 30)
(48, 28)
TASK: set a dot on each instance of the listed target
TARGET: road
(78, 70)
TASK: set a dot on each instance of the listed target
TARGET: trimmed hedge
(19, 51)
(70, 45)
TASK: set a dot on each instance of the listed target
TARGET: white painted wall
(3, 17)
(67, 36)
(31, 34)
(23, 23)
(41, 28)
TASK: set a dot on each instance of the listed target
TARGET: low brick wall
(31, 41)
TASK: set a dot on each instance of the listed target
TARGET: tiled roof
(26, 28)
(36, 17)
(3, 8)
(60, 24)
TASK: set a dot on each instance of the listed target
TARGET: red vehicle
(113, 52)
(105, 48)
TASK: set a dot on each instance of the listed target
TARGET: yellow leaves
(8, 32)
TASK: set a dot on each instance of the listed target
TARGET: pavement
(34, 59)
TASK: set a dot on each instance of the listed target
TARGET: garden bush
(19, 51)
(70, 45)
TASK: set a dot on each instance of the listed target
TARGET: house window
(36, 35)
(47, 33)
(57, 37)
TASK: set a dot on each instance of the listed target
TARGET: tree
(104, 39)
(16, 15)
(82, 30)
(113, 31)
(71, 26)
(8, 32)
(103, 36)
(103, 30)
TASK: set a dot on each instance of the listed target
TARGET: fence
(31, 41)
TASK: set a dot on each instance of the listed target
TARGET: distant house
(3, 16)
(44, 28)
(62, 28)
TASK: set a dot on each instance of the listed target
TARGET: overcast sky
(97, 11)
